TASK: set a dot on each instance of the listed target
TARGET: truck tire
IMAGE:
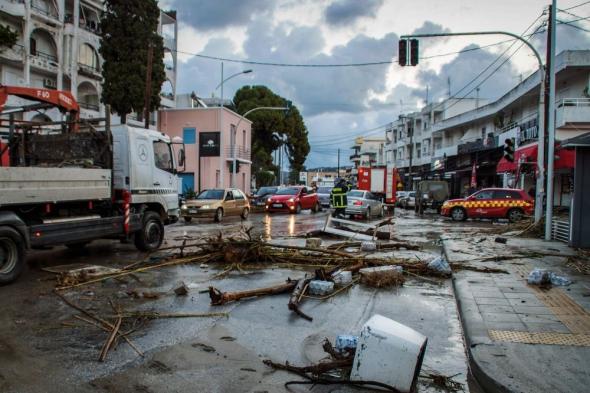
(12, 255)
(151, 235)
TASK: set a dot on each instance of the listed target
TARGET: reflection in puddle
(291, 225)
(267, 221)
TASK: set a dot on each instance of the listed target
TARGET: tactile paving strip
(570, 313)
(580, 340)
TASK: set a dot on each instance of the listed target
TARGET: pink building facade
(214, 138)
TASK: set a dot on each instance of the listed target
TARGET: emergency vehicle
(381, 181)
(490, 203)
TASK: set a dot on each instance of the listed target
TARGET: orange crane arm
(60, 99)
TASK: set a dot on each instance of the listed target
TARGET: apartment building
(57, 48)
(445, 140)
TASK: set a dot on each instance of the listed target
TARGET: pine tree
(128, 28)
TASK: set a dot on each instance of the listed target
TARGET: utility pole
(148, 86)
(338, 171)
(411, 134)
(550, 124)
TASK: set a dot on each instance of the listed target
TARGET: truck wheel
(514, 215)
(151, 235)
(458, 214)
(12, 255)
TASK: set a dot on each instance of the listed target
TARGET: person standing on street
(338, 196)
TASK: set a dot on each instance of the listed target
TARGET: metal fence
(560, 230)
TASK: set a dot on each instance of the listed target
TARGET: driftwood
(316, 369)
(380, 246)
(107, 345)
(295, 298)
(218, 298)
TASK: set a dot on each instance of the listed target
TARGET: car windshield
(412, 194)
(211, 194)
(355, 194)
(288, 191)
(266, 190)
(324, 190)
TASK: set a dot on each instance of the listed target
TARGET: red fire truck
(382, 181)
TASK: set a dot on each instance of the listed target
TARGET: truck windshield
(211, 194)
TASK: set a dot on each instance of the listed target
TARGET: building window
(88, 57)
(189, 136)
(33, 46)
(483, 133)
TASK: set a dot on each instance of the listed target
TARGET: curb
(473, 332)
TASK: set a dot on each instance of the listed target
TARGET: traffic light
(509, 149)
(414, 52)
(402, 53)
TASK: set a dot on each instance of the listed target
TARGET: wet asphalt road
(44, 349)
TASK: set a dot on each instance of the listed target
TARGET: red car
(293, 199)
(490, 203)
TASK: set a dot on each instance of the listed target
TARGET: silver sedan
(364, 203)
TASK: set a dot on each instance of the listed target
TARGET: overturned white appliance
(390, 353)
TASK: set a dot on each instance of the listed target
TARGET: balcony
(478, 145)
(13, 7)
(448, 151)
(572, 112)
(45, 11)
(15, 53)
(355, 157)
(90, 71)
(44, 61)
(237, 152)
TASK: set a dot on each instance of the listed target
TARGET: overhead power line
(575, 6)
(572, 25)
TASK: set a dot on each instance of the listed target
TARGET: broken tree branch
(218, 298)
(110, 339)
(296, 295)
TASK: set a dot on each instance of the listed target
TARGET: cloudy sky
(339, 103)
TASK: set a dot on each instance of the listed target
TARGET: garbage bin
(390, 353)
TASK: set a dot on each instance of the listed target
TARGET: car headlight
(183, 207)
(205, 207)
(291, 200)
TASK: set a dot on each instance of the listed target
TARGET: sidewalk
(521, 338)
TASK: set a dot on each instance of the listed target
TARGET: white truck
(72, 185)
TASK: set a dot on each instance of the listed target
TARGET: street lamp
(228, 78)
(233, 148)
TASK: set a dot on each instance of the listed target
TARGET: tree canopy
(128, 28)
(7, 37)
(267, 125)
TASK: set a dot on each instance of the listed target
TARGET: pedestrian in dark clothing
(338, 196)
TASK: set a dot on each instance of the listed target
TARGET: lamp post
(541, 139)
(219, 116)
(233, 148)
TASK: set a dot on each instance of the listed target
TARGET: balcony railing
(45, 56)
(88, 69)
(238, 152)
(478, 145)
(49, 12)
(571, 111)
(88, 105)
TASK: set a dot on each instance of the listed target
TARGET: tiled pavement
(512, 329)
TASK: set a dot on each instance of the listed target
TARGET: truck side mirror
(181, 157)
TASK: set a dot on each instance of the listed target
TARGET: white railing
(560, 230)
(237, 152)
(572, 102)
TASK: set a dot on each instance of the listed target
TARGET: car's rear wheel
(218, 215)
(514, 215)
(245, 213)
(458, 214)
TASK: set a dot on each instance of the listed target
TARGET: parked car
(263, 193)
(216, 203)
(293, 199)
(324, 193)
(409, 201)
(364, 203)
(490, 203)
(431, 194)
(399, 196)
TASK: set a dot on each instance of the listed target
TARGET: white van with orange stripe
(490, 203)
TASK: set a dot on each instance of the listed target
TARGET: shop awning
(564, 158)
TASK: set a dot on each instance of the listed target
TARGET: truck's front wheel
(152, 232)
(12, 255)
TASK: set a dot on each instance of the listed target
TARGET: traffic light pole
(540, 188)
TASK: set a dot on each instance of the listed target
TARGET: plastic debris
(368, 246)
(181, 289)
(559, 280)
(313, 242)
(440, 264)
(539, 277)
(390, 353)
(345, 341)
(342, 278)
(320, 288)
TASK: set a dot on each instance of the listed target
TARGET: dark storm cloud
(345, 12)
(211, 15)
